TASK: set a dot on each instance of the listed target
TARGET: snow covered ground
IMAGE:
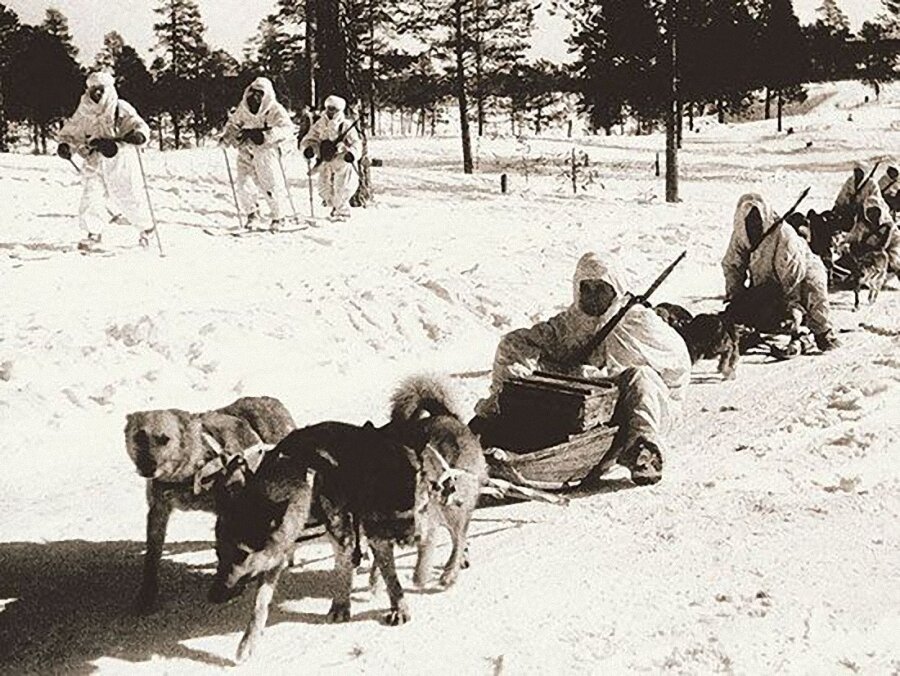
(772, 544)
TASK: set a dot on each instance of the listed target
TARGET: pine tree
(881, 56)
(9, 29)
(833, 16)
(133, 81)
(500, 32)
(44, 82)
(786, 63)
(180, 38)
(113, 43)
(57, 25)
(890, 18)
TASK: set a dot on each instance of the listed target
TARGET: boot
(645, 461)
(276, 224)
(144, 237)
(89, 243)
(252, 220)
(826, 340)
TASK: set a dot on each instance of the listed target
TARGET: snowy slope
(771, 545)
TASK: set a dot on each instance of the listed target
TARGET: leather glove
(64, 150)
(349, 157)
(254, 135)
(135, 138)
(105, 146)
(309, 153)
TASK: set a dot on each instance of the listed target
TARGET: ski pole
(312, 201)
(237, 207)
(72, 162)
(287, 187)
(149, 202)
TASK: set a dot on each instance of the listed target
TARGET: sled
(551, 431)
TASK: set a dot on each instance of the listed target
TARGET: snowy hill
(771, 544)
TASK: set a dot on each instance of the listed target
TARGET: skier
(257, 128)
(890, 188)
(334, 140)
(95, 131)
(648, 359)
(785, 275)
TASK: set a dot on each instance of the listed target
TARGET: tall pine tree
(179, 35)
(56, 24)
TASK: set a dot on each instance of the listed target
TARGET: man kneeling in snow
(786, 277)
(257, 128)
(101, 122)
(645, 355)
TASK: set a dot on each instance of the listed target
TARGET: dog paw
(245, 649)
(397, 616)
(338, 613)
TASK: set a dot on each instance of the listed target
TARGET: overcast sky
(231, 22)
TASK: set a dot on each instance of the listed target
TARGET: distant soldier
(335, 143)
(257, 128)
(95, 131)
(853, 194)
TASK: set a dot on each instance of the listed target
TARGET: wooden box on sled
(551, 431)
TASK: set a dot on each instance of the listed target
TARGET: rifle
(597, 339)
(328, 147)
(780, 219)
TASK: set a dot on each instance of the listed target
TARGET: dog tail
(422, 394)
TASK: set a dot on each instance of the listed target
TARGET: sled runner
(551, 431)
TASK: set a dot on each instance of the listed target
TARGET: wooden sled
(551, 431)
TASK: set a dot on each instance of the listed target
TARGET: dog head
(674, 315)
(163, 444)
(255, 532)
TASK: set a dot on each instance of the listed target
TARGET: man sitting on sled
(786, 277)
(646, 357)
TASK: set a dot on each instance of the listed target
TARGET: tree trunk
(479, 68)
(720, 110)
(366, 191)
(331, 51)
(309, 51)
(672, 114)
(537, 123)
(176, 129)
(780, 108)
(465, 133)
(768, 103)
(44, 139)
(690, 109)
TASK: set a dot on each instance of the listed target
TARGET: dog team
(259, 128)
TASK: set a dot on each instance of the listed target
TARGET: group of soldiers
(261, 130)
(770, 269)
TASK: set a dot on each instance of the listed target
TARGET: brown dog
(422, 418)
(168, 449)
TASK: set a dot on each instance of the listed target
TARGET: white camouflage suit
(864, 231)
(258, 167)
(338, 178)
(113, 180)
(644, 354)
(783, 258)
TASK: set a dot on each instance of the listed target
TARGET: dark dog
(707, 336)
(674, 315)
(353, 479)
(714, 336)
(168, 449)
(422, 418)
